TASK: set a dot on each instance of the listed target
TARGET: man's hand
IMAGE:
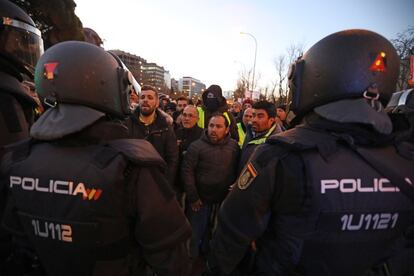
(196, 206)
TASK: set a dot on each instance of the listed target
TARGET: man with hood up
(213, 101)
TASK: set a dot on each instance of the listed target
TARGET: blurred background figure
(247, 103)
(182, 102)
(235, 109)
(213, 101)
(281, 117)
(92, 37)
(245, 127)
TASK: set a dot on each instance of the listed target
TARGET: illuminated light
(378, 65)
(50, 68)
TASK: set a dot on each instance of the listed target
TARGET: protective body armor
(16, 110)
(73, 208)
(354, 215)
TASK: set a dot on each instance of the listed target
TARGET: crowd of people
(99, 176)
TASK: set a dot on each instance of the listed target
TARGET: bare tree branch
(404, 44)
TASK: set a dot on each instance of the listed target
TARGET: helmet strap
(372, 96)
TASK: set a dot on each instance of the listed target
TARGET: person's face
(247, 116)
(133, 98)
(261, 121)
(181, 104)
(148, 102)
(235, 108)
(164, 102)
(246, 106)
(217, 129)
(189, 117)
(281, 114)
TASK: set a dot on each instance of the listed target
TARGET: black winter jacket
(185, 136)
(209, 169)
(161, 135)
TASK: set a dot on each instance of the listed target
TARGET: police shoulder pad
(246, 177)
(138, 151)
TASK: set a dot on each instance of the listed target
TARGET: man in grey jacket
(208, 169)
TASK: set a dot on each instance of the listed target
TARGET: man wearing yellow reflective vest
(213, 101)
(263, 125)
(245, 126)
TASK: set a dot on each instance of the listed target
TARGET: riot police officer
(331, 196)
(20, 47)
(88, 201)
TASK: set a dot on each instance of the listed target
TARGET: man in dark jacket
(213, 101)
(331, 196)
(186, 134)
(208, 170)
(97, 203)
(148, 123)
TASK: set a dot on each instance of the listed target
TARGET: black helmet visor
(20, 41)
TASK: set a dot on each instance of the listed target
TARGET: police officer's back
(88, 201)
(317, 199)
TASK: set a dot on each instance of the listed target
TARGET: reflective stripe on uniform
(201, 113)
(242, 134)
(263, 139)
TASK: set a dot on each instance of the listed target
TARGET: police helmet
(21, 43)
(80, 73)
(344, 65)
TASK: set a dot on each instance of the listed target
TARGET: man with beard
(148, 123)
(182, 102)
(208, 170)
(213, 101)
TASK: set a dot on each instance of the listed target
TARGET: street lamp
(255, 54)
